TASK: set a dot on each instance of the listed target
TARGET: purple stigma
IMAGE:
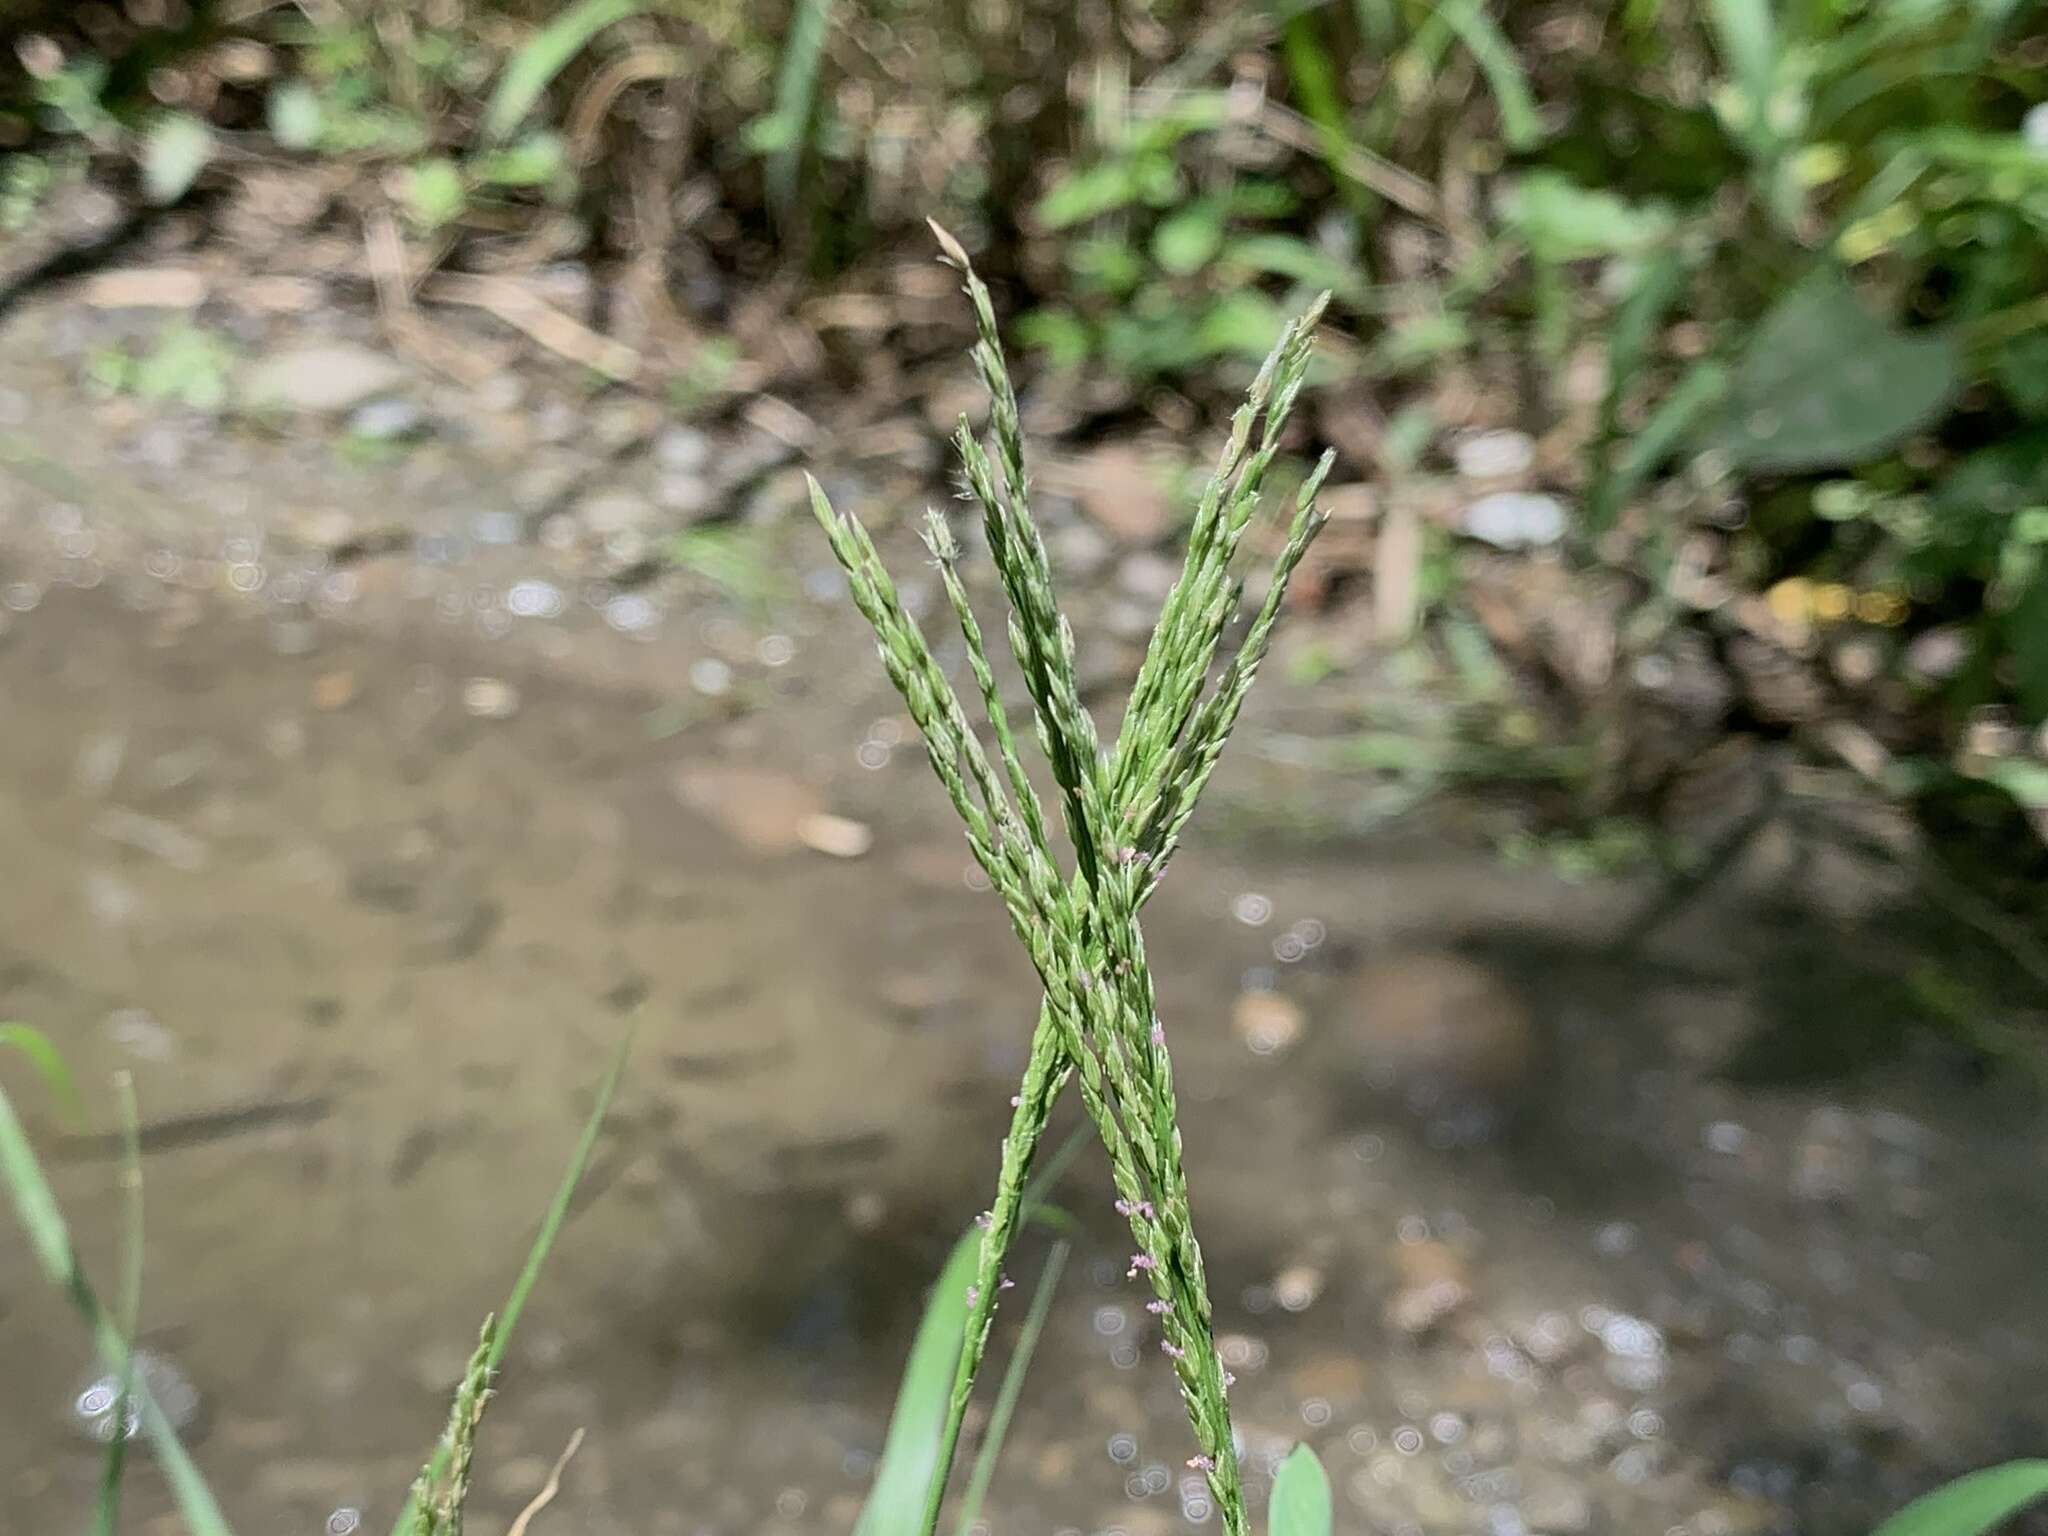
(1140, 1261)
(1172, 1350)
(1202, 1463)
(973, 1294)
(1157, 1307)
(1005, 1283)
(1158, 1033)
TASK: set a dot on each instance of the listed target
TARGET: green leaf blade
(36, 1207)
(1825, 384)
(910, 1451)
(545, 55)
(1978, 1502)
(497, 1333)
(44, 1056)
(1301, 1497)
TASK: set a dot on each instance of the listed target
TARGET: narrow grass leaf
(498, 1334)
(910, 1452)
(1301, 1497)
(783, 133)
(1520, 125)
(1747, 34)
(1692, 401)
(1972, 1504)
(107, 1513)
(50, 1240)
(542, 57)
(1012, 1387)
(49, 1064)
(1313, 74)
(1656, 288)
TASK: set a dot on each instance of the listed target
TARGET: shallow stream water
(364, 871)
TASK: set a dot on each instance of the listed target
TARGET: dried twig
(395, 282)
(526, 311)
(549, 1489)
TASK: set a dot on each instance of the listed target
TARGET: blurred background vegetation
(1711, 339)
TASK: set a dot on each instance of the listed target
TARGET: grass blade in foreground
(913, 1449)
(49, 1064)
(451, 1452)
(910, 1453)
(1971, 1505)
(1012, 1387)
(107, 1515)
(543, 56)
(50, 1241)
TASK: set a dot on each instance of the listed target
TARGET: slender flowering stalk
(1123, 811)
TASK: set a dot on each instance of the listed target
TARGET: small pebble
(839, 836)
(1267, 1022)
(490, 698)
(387, 419)
(1516, 520)
(1495, 455)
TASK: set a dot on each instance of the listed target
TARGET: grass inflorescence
(1123, 810)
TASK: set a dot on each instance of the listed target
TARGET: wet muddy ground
(361, 854)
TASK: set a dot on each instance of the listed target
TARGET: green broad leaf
(1563, 221)
(1301, 1497)
(1188, 239)
(294, 114)
(436, 193)
(174, 152)
(2026, 632)
(1260, 198)
(543, 56)
(910, 1452)
(2020, 777)
(731, 557)
(771, 134)
(1062, 335)
(1088, 192)
(1243, 324)
(2021, 368)
(1295, 259)
(1187, 112)
(1106, 265)
(535, 160)
(1972, 1504)
(1825, 384)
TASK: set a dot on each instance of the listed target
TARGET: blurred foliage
(184, 364)
(1803, 242)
